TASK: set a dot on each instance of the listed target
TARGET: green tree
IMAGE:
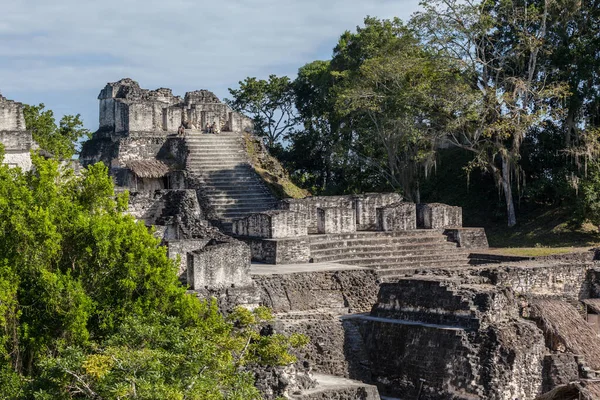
(270, 103)
(60, 141)
(498, 44)
(401, 99)
(90, 302)
(314, 150)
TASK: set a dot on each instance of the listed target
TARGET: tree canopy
(512, 83)
(91, 307)
(60, 140)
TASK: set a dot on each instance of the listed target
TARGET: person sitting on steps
(181, 130)
(207, 129)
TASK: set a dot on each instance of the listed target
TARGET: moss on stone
(271, 171)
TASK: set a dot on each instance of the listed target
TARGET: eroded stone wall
(438, 216)
(128, 110)
(16, 141)
(397, 217)
(219, 265)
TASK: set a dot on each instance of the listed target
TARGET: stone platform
(334, 387)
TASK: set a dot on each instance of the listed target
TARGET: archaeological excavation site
(399, 300)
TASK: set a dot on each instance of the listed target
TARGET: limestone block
(438, 216)
(309, 206)
(219, 266)
(366, 206)
(336, 220)
(397, 217)
(279, 251)
(20, 159)
(179, 249)
(272, 224)
(11, 115)
(468, 238)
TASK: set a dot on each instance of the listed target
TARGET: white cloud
(188, 44)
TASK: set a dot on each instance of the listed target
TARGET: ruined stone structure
(397, 298)
(14, 136)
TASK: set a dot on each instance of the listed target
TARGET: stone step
(226, 194)
(380, 251)
(216, 154)
(256, 195)
(384, 246)
(402, 255)
(234, 202)
(203, 143)
(208, 169)
(211, 162)
(392, 274)
(241, 170)
(226, 175)
(413, 261)
(364, 234)
(375, 242)
(234, 190)
(213, 138)
(249, 183)
(231, 215)
(207, 144)
(247, 205)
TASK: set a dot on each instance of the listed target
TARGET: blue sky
(63, 52)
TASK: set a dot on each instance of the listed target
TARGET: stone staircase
(389, 252)
(220, 164)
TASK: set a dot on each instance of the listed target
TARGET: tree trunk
(506, 187)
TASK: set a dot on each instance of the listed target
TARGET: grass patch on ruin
(544, 231)
(272, 172)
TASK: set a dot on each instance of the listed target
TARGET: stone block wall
(179, 249)
(17, 142)
(468, 238)
(397, 217)
(309, 206)
(443, 302)
(218, 266)
(272, 224)
(571, 281)
(128, 110)
(162, 207)
(438, 216)
(366, 206)
(11, 115)
(279, 251)
(336, 220)
(348, 290)
(441, 338)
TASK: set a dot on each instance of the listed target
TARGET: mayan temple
(399, 300)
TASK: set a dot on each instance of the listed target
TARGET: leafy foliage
(90, 304)
(61, 140)
(271, 104)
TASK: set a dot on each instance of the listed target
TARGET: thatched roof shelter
(563, 325)
(150, 168)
